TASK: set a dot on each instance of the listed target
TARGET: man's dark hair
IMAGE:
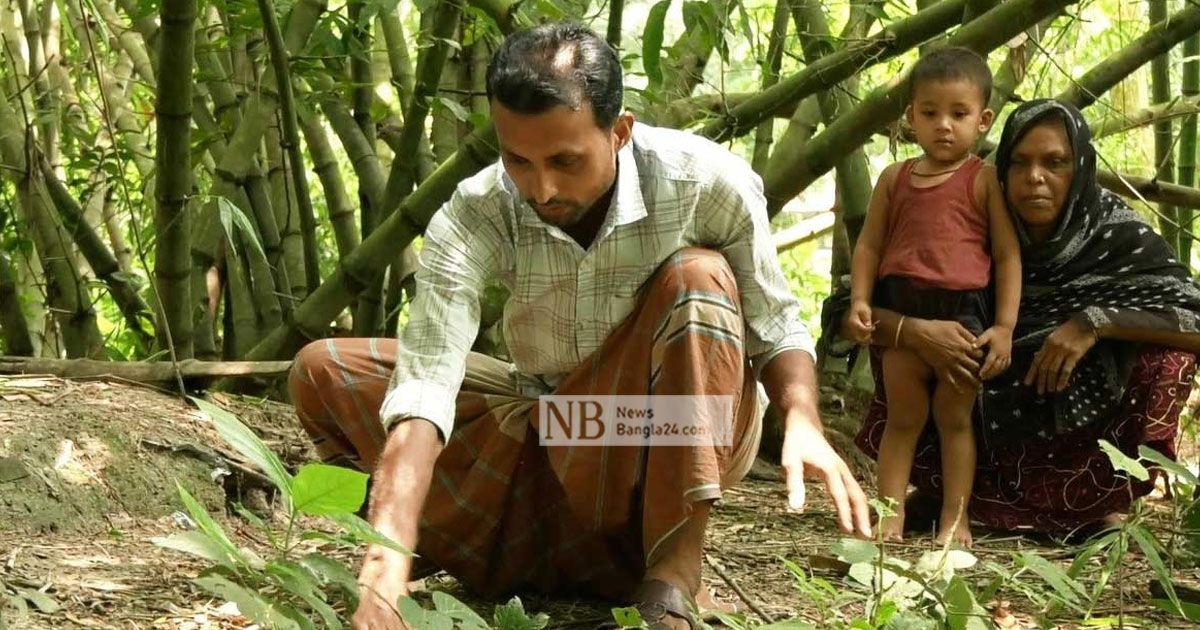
(560, 63)
(952, 64)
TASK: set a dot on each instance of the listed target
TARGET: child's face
(948, 117)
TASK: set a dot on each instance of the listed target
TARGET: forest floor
(87, 479)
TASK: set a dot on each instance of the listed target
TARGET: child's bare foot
(958, 533)
(892, 528)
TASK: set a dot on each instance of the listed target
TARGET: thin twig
(728, 579)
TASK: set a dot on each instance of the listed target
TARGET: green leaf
(40, 600)
(213, 530)
(1122, 462)
(333, 573)
(198, 543)
(321, 489)
(853, 550)
(1168, 464)
(1149, 546)
(962, 611)
(364, 532)
(249, 603)
(628, 617)
(1067, 588)
(790, 624)
(235, 221)
(417, 618)
(1187, 610)
(512, 616)
(652, 40)
(467, 619)
(246, 443)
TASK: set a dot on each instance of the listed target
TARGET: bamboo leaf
(1067, 588)
(1149, 546)
(1122, 462)
(197, 543)
(211, 529)
(40, 600)
(245, 442)
(235, 221)
(364, 532)
(652, 41)
(321, 489)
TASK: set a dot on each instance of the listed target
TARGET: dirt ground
(87, 472)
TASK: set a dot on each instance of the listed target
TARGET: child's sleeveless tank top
(938, 235)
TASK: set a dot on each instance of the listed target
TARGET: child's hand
(859, 324)
(998, 339)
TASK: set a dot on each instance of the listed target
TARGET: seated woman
(1104, 346)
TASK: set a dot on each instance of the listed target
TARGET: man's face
(561, 162)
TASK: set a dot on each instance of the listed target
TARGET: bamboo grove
(227, 179)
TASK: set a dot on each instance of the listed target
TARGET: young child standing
(936, 227)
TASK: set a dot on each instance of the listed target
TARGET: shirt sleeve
(737, 215)
(460, 253)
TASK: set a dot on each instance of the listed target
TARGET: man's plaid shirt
(674, 190)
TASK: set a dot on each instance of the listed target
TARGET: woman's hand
(1062, 350)
(858, 325)
(947, 347)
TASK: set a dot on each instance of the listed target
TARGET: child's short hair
(953, 63)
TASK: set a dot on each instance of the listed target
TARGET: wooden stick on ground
(142, 371)
(754, 605)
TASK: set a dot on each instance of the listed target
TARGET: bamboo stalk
(325, 165)
(1164, 140)
(369, 259)
(99, 257)
(17, 339)
(291, 133)
(1187, 141)
(764, 134)
(616, 10)
(173, 182)
(142, 371)
(1158, 39)
(402, 175)
(899, 36)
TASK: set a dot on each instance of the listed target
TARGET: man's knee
(696, 268)
(309, 365)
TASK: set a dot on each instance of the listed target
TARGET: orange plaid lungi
(505, 512)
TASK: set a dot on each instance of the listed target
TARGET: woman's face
(1040, 177)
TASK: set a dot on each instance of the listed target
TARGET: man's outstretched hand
(806, 453)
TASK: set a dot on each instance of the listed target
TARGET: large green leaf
(467, 619)
(1168, 464)
(512, 616)
(962, 611)
(322, 489)
(249, 603)
(245, 442)
(652, 40)
(853, 550)
(1122, 462)
(417, 618)
(333, 573)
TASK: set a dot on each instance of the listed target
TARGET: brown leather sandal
(655, 599)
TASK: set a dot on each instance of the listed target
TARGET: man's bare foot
(892, 528)
(706, 602)
(953, 531)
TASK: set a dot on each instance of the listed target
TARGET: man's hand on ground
(806, 452)
(381, 581)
